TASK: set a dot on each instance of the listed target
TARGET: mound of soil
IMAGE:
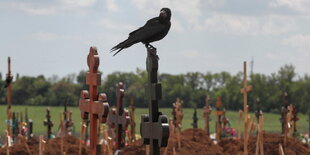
(196, 142)
(52, 147)
(271, 145)
(193, 141)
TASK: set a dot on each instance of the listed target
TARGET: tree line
(191, 87)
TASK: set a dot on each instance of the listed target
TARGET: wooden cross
(67, 119)
(119, 119)
(258, 109)
(195, 119)
(48, 122)
(219, 113)
(154, 126)
(90, 102)
(295, 119)
(284, 111)
(132, 120)
(206, 114)
(177, 119)
(245, 91)
(9, 78)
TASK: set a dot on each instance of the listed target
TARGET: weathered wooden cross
(91, 104)
(177, 119)
(295, 119)
(119, 118)
(67, 119)
(48, 122)
(9, 78)
(154, 126)
(258, 109)
(284, 111)
(219, 113)
(195, 119)
(132, 120)
(206, 114)
(245, 91)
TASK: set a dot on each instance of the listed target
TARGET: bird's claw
(151, 47)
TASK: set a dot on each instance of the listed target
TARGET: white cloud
(50, 7)
(47, 36)
(112, 6)
(78, 3)
(109, 24)
(190, 10)
(297, 5)
(248, 25)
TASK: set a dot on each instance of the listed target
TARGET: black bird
(155, 29)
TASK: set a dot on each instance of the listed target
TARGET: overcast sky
(53, 37)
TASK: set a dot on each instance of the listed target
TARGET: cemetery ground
(37, 114)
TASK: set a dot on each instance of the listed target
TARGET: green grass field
(37, 114)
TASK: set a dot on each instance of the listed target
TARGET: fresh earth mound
(193, 142)
(52, 147)
(196, 142)
(271, 145)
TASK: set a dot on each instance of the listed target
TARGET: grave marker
(132, 120)
(118, 118)
(245, 91)
(195, 119)
(177, 119)
(258, 109)
(48, 123)
(206, 114)
(67, 120)
(284, 111)
(9, 78)
(219, 113)
(91, 104)
(154, 126)
(294, 119)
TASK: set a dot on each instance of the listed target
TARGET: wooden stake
(8, 143)
(61, 134)
(245, 91)
(260, 141)
(23, 140)
(281, 152)
(40, 145)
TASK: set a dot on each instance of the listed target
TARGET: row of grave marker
(94, 107)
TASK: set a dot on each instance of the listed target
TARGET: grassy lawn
(37, 114)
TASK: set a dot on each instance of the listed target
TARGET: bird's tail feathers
(125, 44)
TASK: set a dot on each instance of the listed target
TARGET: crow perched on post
(155, 29)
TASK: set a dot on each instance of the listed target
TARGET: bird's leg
(152, 47)
(149, 46)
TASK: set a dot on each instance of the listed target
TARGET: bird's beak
(163, 14)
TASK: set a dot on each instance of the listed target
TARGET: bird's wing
(148, 23)
(147, 31)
